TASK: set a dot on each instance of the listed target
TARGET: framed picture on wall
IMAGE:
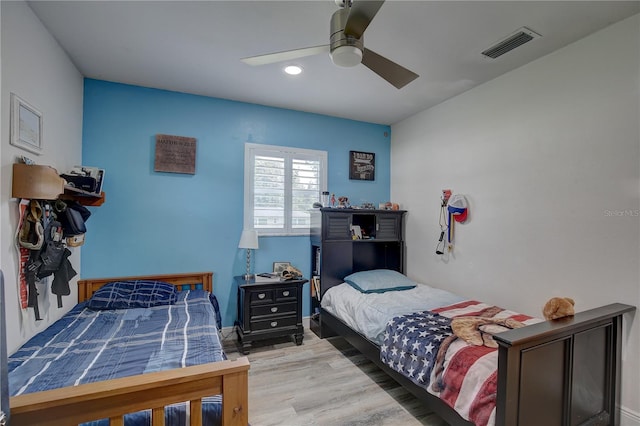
(362, 165)
(25, 126)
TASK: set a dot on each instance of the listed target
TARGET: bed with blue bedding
(117, 334)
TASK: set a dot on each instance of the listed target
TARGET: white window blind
(281, 185)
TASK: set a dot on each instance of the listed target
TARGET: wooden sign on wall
(175, 154)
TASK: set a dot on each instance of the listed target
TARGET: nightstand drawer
(274, 323)
(259, 297)
(282, 308)
(286, 293)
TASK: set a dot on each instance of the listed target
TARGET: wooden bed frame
(562, 372)
(114, 398)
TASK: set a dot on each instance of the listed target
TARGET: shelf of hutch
(39, 182)
(334, 252)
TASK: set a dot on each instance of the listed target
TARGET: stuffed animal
(291, 273)
(558, 307)
(478, 331)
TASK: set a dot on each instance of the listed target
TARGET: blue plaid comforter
(88, 346)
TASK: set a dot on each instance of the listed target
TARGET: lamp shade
(248, 239)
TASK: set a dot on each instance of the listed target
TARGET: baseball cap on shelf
(458, 207)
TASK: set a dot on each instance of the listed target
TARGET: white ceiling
(196, 47)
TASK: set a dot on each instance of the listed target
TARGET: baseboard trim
(629, 417)
(227, 330)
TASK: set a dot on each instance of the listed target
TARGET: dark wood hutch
(335, 253)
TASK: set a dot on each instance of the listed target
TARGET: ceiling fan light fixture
(346, 44)
(346, 56)
(293, 69)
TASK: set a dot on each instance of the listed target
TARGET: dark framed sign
(362, 165)
(175, 154)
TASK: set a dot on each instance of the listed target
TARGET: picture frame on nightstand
(278, 267)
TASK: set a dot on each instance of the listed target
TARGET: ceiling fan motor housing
(345, 51)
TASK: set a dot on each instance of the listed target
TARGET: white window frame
(251, 150)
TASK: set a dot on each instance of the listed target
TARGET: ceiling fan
(346, 44)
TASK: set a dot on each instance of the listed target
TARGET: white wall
(549, 158)
(36, 68)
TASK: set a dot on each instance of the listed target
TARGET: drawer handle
(262, 296)
(274, 309)
(274, 323)
(285, 293)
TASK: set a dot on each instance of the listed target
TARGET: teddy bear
(558, 307)
(478, 331)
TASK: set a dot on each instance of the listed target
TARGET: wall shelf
(37, 182)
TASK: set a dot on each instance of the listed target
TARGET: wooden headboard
(87, 287)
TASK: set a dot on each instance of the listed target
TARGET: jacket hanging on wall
(40, 235)
(30, 271)
(30, 239)
(61, 278)
(52, 252)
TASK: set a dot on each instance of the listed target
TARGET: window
(280, 186)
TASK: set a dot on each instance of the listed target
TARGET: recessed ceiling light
(293, 69)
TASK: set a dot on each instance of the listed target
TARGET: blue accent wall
(156, 222)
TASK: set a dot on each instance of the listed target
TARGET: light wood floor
(324, 382)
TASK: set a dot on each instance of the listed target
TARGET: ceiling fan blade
(271, 58)
(395, 74)
(360, 16)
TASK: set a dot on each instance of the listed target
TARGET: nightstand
(268, 309)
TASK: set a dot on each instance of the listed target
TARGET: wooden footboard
(114, 398)
(562, 372)
(554, 373)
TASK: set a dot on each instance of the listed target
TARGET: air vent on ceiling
(520, 37)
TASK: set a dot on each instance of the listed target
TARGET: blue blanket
(88, 346)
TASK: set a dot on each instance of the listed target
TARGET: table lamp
(249, 241)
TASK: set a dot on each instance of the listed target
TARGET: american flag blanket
(422, 347)
(89, 346)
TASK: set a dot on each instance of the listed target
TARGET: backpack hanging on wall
(72, 216)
